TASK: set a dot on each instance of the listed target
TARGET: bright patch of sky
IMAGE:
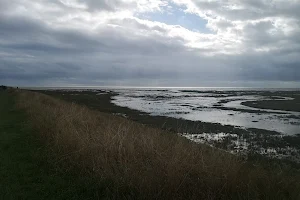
(175, 15)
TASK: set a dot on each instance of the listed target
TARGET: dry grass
(145, 163)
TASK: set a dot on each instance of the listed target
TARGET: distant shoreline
(161, 88)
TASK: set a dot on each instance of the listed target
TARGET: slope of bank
(252, 142)
(25, 171)
(139, 162)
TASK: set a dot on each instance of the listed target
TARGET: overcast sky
(150, 43)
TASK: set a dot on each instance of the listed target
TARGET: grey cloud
(250, 10)
(35, 52)
(283, 72)
(109, 5)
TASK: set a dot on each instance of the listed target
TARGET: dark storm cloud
(282, 72)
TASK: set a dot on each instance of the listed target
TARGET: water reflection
(224, 108)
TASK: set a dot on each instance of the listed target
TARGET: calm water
(207, 106)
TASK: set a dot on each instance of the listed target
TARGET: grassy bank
(138, 162)
(258, 139)
(25, 170)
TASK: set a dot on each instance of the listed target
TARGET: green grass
(25, 172)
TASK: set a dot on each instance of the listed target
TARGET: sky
(166, 43)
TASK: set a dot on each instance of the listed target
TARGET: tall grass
(139, 162)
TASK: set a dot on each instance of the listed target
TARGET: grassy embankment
(25, 171)
(138, 162)
(258, 138)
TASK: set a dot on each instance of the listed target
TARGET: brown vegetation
(138, 162)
